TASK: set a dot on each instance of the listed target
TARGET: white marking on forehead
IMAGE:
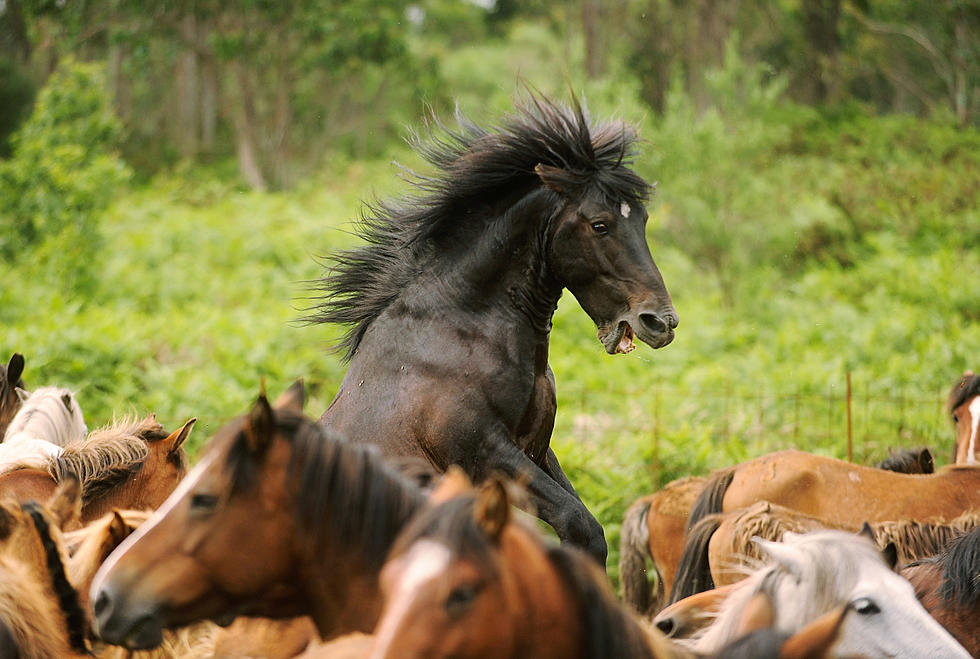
(183, 488)
(625, 209)
(974, 408)
(425, 561)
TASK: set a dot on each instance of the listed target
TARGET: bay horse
(721, 550)
(841, 493)
(308, 517)
(128, 464)
(449, 305)
(465, 580)
(10, 382)
(964, 408)
(948, 585)
(813, 574)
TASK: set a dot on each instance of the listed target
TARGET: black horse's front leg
(556, 500)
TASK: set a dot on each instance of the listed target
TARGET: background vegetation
(169, 176)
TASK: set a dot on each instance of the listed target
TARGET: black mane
(961, 569)
(966, 388)
(474, 164)
(909, 461)
(348, 498)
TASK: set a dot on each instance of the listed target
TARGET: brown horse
(10, 382)
(720, 549)
(964, 407)
(128, 465)
(843, 494)
(449, 305)
(308, 517)
(948, 585)
(466, 581)
(654, 527)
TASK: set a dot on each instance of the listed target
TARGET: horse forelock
(452, 524)
(345, 496)
(965, 388)
(961, 571)
(43, 415)
(474, 164)
(608, 630)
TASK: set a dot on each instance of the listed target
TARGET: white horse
(809, 575)
(49, 419)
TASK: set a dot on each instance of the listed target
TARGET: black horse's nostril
(666, 626)
(102, 604)
(654, 323)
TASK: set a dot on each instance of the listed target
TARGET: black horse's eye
(600, 228)
(865, 606)
(956, 417)
(460, 599)
(203, 502)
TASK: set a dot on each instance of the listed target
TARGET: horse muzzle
(135, 626)
(655, 328)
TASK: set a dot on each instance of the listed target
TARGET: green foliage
(17, 91)
(63, 173)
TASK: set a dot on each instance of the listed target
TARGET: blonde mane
(30, 611)
(51, 414)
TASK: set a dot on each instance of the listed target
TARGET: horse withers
(449, 305)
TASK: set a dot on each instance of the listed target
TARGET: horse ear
(492, 509)
(817, 638)
(119, 530)
(177, 438)
(452, 484)
(260, 425)
(22, 394)
(890, 554)
(293, 398)
(926, 462)
(868, 533)
(557, 179)
(781, 553)
(66, 502)
(757, 614)
(15, 368)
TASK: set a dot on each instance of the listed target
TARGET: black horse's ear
(926, 462)
(557, 179)
(890, 554)
(260, 426)
(15, 368)
(293, 398)
(66, 399)
(492, 508)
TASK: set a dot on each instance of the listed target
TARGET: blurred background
(171, 172)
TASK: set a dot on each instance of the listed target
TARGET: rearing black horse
(450, 303)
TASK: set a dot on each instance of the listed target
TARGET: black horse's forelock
(346, 497)
(474, 164)
(966, 388)
(961, 571)
(75, 621)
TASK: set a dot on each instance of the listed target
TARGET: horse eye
(460, 599)
(866, 606)
(956, 417)
(600, 228)
(204, 502)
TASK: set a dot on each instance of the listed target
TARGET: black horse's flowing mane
(609, 630)
(967, 387)
(961, 569)
(474, 165)
(348, 499)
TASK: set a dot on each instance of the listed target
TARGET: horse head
(964, 408)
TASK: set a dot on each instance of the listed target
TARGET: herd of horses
(395, 525)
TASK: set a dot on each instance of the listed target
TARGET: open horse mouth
(618, 339)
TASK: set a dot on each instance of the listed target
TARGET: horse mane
(961, 569)
(909, 461)
(694, 568)
(473, 164)
(966, 388)
(27, 613)
(916, 540)
(108, 456)
(47, 405)
(347, 497)
(609, 629)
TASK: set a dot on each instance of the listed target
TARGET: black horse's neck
(499, 265)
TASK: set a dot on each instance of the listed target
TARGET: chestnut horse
(948, 585)
(811, 575)
(964, 407)
(449, 305)
(10, 382)
(841, 493)
(720, 549)
(308, 518)
(128, 464)
(465, 581)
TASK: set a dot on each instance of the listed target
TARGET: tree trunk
(14, 42)
(820, 19)
(188, 89)
(592, 30)
(283, 113)
(209, 104)
(245, 131)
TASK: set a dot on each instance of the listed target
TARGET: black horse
(449, 305)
